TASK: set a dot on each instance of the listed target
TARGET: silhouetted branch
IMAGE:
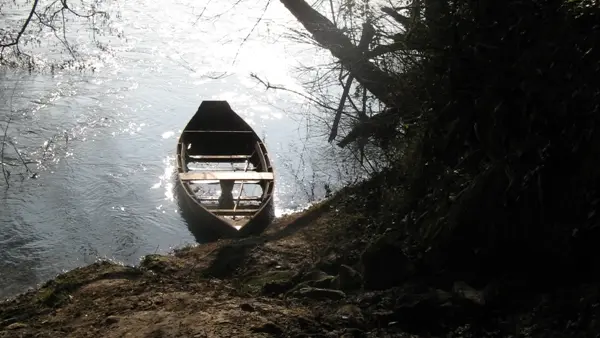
(4, 172)
(401, 19)
(338, 115)
(51, 16)
(268, 86)
(20, 157)
(15, 42)
(252, 30)
(366, 36)
(381, 84)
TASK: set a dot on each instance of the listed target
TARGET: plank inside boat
(241, 198)
(226, 175)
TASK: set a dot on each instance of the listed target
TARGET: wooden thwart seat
(219, 131)
(220, 157)
(231, 212)
(242, 198)
(226, 175)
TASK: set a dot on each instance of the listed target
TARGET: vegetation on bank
(487, 133)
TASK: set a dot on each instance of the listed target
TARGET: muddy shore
(312, 274)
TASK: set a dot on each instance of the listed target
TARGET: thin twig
(252, 30)
(47, 16)
(23, 28)
(2, 152)
(47, 147)
(20, 157)
(268, 86)
(87, 16)
(338, 114)
(201, 13)
(332, 13)
(12, 95)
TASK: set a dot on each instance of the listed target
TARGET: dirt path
(299, 279)
(242, 288)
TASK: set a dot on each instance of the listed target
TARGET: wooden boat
(224, 174)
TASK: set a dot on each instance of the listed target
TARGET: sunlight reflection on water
(103, 143)
(167, 134)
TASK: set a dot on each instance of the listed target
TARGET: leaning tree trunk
(379, 83)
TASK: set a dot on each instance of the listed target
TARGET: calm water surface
(102, 143)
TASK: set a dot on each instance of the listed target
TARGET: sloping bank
(321, 273)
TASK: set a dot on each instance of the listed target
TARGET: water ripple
(102, 144)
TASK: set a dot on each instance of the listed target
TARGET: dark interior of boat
(224, 142)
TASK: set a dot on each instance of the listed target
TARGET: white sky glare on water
(107, 191)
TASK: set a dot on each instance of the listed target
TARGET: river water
(100, 144)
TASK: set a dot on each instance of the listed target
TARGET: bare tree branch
(53, 16)
(20, 157)
(401, 19)
(338, 115)
(366, 36)
(4, 173)
(252, 30)
(15, 42)
(332, 12)
(311, 99)
(374, 79)
(202, 13)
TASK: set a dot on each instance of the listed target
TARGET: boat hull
(206, 227)
(217, 134)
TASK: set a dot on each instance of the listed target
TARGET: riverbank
(317, 273)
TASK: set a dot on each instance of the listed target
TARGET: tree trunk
(379, 83)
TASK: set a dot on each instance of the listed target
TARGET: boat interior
(228, 173)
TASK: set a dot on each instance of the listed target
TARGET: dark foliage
(503, 174)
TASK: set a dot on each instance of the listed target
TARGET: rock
(314, 279)
(347, 279)
(247, 307)
(383, 317)
(323, 283)
(157, 263)
(317, 293)
(272, 282)
(351, 314)
(330, 262)
(112, 320)
(16, 326)
(269, 327)
(274, 288)
(493, 291)
(593, 326)
(384, 263)
(318, 279)
(314, 275)
(352, 333)
(441, 296)
(306, 324)
(349, 310)
(463, 290)
(433, 310)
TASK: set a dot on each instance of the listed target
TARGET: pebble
(16, 326)
(112, 319)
